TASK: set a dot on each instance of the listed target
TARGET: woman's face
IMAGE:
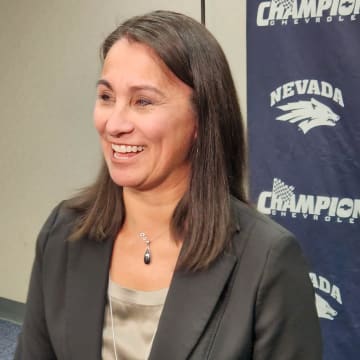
(145, 119)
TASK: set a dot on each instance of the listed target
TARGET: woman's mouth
(124, 149)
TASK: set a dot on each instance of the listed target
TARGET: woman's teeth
(127, 148)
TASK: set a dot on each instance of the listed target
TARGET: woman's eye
(104, 97)
(143, 102)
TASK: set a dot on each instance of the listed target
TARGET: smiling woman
(143, 105)
(162, 257)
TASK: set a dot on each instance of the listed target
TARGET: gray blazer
(255, 302)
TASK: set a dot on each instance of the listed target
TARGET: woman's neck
(149, 212)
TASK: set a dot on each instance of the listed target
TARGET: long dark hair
(218, 158)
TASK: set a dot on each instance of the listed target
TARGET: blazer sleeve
(34, 342)
(287, 326)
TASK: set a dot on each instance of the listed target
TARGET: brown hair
(218, 158)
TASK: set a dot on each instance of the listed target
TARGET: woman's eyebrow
(133, 88)
(104, 82)
(154, 89)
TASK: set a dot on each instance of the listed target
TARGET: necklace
(147, 254)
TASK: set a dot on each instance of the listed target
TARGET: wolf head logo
(324, 309)
(308, 114)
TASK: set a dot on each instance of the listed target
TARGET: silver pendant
(147, 256)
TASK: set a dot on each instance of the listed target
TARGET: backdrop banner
(304, 137)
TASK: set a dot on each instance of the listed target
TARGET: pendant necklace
(147, 254)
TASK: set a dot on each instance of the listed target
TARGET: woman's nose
(119, 122)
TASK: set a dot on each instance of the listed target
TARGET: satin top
(135, 318)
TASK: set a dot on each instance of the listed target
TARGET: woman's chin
(126, 182)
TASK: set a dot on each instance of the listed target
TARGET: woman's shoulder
(258, 231)
(58, 226)
(268, 255)
(246, 216)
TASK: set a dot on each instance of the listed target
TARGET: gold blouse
(136, 316)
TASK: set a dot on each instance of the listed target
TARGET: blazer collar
(189, 304)
(87, 281)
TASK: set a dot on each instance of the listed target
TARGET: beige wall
(226, 19)
(48, 67)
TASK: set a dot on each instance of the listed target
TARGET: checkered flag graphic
(282, 191)
(286, 4)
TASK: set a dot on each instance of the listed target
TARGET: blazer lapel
(189, 304)
(87, 281)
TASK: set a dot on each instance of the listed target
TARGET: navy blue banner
(304, 137)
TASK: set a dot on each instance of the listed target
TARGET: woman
(162, 258)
